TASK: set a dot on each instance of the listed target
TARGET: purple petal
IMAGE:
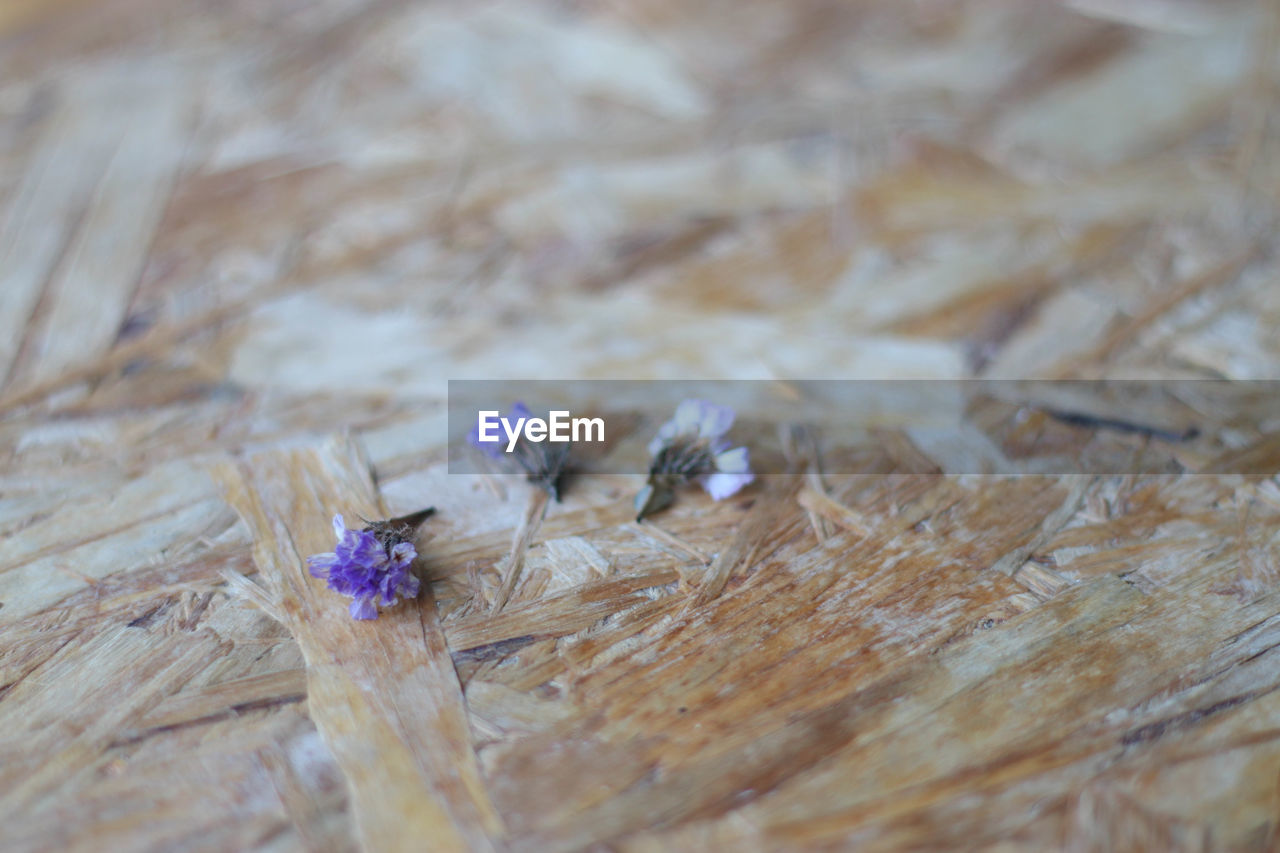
(495, 449)
(734, 461)
(321, 565)
(695, 419)
(723, 484)
(715, 420)
(363, 608)
(364, 549)
(689, 415)
(346, 579)
(402, 554)
(339, 528)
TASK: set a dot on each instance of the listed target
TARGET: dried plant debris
(544, 463)
(691, 447)
(371, 565)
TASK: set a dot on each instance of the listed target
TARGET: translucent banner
(876, 427)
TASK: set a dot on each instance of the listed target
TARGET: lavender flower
(543, 463)
(371, 564)
(494, 449)
(691, 447)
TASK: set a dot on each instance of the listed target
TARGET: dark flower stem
(400, 529)
(674, 466)
(413, 519)
(657, 494)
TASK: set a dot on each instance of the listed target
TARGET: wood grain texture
(231, 232)
(383, 694)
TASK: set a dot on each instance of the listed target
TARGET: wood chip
(386, 685)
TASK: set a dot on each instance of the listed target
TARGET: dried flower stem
(535, 511)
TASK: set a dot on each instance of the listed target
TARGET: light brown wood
(383, 694)
(243, 247)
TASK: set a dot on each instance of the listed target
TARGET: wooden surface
(244, 245)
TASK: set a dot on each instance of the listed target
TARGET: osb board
(243, 246)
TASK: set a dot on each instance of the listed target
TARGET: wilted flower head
(494, 449)
(543, 463)
(692, 447)
(371, 565)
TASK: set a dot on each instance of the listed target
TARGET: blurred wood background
(243, 246)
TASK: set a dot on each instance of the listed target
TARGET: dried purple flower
(692, 447)
(371, 564)
(494, 449)
(543, 463)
